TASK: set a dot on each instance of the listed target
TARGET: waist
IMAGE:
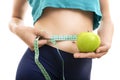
(65, 22)
(66, 45)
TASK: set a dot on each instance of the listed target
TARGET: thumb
(102, 49)
(44, 34)
(42, 42)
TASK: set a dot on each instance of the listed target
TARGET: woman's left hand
(102, 50)
(105, 33)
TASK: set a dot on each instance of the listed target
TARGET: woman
(62, 17)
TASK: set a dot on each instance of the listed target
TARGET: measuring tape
(53, 40)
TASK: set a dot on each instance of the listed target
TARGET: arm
(19, 8)
(106, 28)
(16, 25)
(105, 32)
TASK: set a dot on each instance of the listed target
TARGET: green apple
(88, 41)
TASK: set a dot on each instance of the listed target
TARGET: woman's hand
(105, 32)
(102, 50)
(28, 35)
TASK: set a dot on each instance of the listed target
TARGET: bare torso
(65, 22)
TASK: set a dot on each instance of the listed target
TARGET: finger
(43, 34)
(42, 42)
(85, 55)
(101, 54)
(102, 49)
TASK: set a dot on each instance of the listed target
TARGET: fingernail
(76, 56)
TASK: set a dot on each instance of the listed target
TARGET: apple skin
(87, 42)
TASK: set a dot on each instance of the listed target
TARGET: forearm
(106, 27)
(106, 32)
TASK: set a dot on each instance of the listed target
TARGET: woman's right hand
(28, 35)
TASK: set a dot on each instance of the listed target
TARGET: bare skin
(68, 22)
(63, 22)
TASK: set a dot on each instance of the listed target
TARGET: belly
(65, 22)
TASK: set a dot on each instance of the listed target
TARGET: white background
(12, 48)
